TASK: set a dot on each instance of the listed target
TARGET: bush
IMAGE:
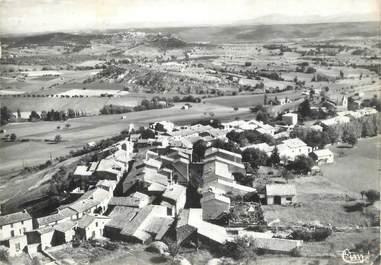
(372, 195)
(319, 234)
(58, 138)
(302, 164)
(240, 248)
(4, 255)
(295, 252)
(13, 137)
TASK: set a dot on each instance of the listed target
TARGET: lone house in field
(280, 194)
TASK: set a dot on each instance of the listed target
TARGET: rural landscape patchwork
(247, 143)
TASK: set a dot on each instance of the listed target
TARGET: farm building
(91, 226)
(190, 222)
(53, 219)
(15, 224)
(64, 232)
(42, 236)
(323, 156)
(290, 118)
(280, 194)
(15, 245)
(138, 225)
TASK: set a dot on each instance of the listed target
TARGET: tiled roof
(132, 225)
(65, 226)
(14, 218)
(83, 205)
(120, 216)
(62, 214)
(323, 152)
(280, 190)
(86, 220)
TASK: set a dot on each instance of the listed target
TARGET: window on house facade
(12, 233)
(96, 224)
(18, 247)
(169, 211)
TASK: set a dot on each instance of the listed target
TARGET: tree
(13, 137)
(302, 164)
(286, 174)
(148, 134)
(352, 139)
(349, 137)
(372, 195)
(262, 116)
(255, 157)
(275, 158)
(341, 74)
(160, 127)
(304, 108)
(67, 125)
(34, 116)
(199, 149)
(235, 108)
(58, 138)
(229, 146)
(71, 113)
(5, 115)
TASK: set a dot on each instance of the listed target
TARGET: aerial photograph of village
(192, 132)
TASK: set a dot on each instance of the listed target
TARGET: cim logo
(355, 258)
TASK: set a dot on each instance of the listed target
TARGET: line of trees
(154, 103)
(55, 115)
(366, 126)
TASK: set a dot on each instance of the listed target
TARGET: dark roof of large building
(14, 218)
(62, 214)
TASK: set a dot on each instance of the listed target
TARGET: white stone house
(323, 156)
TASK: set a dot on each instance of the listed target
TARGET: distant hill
(52, 39)
(166, 43)
(254, 33)
(182, 37)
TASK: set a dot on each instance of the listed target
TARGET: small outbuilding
(281, 194)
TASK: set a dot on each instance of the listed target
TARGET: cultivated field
(356, 168)
(250, 100)
(84, 130)
(321, 201)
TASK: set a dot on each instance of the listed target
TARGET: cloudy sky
(23, 16)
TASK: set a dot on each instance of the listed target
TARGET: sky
(29, 16)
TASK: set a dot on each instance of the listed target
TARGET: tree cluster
(366, 126)
(301, 165)
(215, 123)
(5, 115)
(250, 137)
(312, 138)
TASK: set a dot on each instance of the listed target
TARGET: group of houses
(82, 219)
(154, 184)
